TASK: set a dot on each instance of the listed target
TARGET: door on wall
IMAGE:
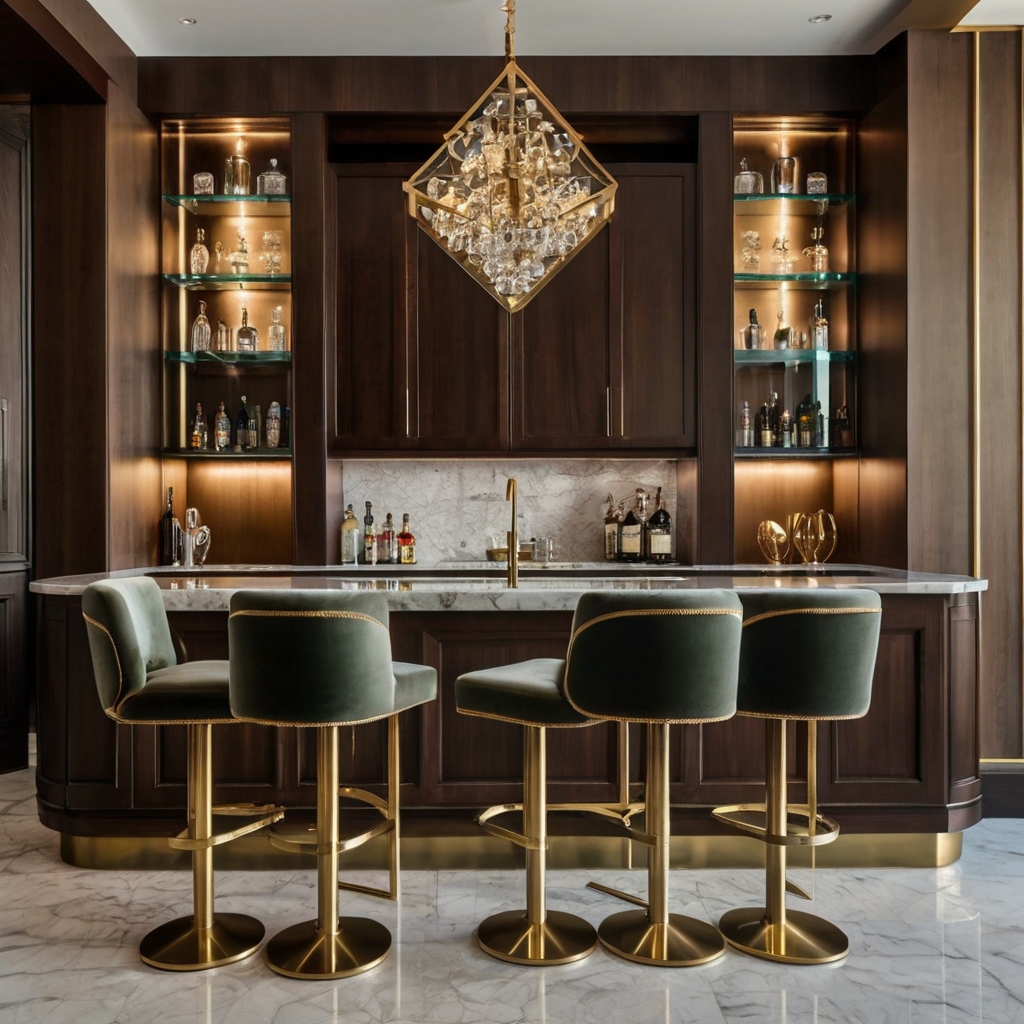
(14, 492)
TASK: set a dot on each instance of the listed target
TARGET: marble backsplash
(456, 506)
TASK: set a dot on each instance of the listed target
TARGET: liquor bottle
(612, 518)
(387, 542)
(277, 333)
(659, 533)
(168, 534)
(222, 429)
(369, 537)
(745, 433)
(274, 425)
(631, 536)
(349, 537)
(764, 427)
(783, 333)
(201, 330)
(242, 428)
(819, 327)
(786, 429)
(247, 339)
(223, 337)
(773, 418)
(255, 426)
(406, 543)
(199, 258)
(200, 430)
(752, 332)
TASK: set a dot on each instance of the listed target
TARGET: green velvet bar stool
(322, 659)
(141, 683)
(807, 655)
(656, 657)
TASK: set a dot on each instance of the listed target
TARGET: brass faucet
(512, 537)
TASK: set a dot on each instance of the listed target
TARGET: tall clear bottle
(277, 333)
(201, 330)
(199, 258)
(222, 429)
(612, 519)
(349, 537)
(659, 533)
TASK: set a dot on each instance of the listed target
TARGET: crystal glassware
(240, 257)
(241, 172)
(247, 339)
(199, 258)
(201, 330)
(272, 182)
(277, 333)
(784, 176)
(272, 243)
(751, 252)
(223, 337)
(781, 257)
(273, 425)
(747, 182)
(817, 252)
(817, 183)
(202, 184)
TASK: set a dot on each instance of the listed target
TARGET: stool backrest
(128, 636)
(310, 657)
(808, 653)
(655, 656)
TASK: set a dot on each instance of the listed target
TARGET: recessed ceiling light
(192, 21)
(819, 19)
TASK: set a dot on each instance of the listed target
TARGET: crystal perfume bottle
(247, 339)
(272, 182)
(199, 259)
(201, 330)
(817, 252)
(819, 327)
(202, 184)
(277, 333)
(747, 182)
(241, 172)
(222, 429)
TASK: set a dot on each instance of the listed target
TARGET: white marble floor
(939, 946)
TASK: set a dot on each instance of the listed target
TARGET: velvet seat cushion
(808, 654)
(196, 691)
(528, 693)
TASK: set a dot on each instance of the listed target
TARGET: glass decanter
(747, 182)
(199, 259)
(277, 332)
(240, 257)
(247, 339)
(817, 253)
(272, 182)
(272, 242)
(201, 330)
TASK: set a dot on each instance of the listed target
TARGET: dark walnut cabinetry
(909, 766)
(603, 359)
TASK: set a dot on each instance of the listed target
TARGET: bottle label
(611, 537)
(631, 539)
(661, 543)
(407, 554)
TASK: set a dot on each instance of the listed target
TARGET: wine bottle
(168, 534)
(242, 428)
(659, 532)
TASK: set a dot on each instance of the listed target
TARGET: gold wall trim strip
(976, 318)
(433, 853)
(1020, 236)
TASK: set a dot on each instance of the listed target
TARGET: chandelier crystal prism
(513, 194)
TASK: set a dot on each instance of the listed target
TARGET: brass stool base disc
(682, 942)
(178, 946)
(807, 939)
(303, 951)
(561, 939)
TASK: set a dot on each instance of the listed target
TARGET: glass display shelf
(834, 199)
(795, 453)
(233, 206)
(816, 280)
(224, 282)
(231, 358)
(230, 456)
(791, 356)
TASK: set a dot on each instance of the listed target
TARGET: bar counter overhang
(903, 782)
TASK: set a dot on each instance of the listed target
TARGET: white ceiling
(443, 27)
(996, 12)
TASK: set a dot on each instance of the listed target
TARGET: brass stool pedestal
(560, 939)
(179, 946)
(305, 951)
(801, 939)
(678, 942)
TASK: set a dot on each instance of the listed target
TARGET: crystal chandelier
(513, 194)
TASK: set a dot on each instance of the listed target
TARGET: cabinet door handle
(6, 450)
(608, 412)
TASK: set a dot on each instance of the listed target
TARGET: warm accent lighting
(513, 194)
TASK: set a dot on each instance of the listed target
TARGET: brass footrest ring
(561, 939)
(304, 951)
(179, 946)
(804, 939)
(750, 818)
(680, 942)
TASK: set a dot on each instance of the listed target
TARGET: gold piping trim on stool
(810, 611)
(523, 721)
(111, 711)
(323, 613)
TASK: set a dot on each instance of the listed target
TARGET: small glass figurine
(223, 337)
(781, 257)
(747, 182)
(751, 252)
(817, 253)
(199, 259)
(218, 251)
(272, 182)
(202, 184)
(241, 172)
(272, 243)
(273, 425)
(240, 257)
(247, 339)
(201, 330)
(817, 183)
(277, 333)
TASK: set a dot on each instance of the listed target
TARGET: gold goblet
(770, 537)
(814, 537)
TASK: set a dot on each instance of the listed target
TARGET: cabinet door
(13, 672)
(370, 407)
(13, 330)
(604, 357)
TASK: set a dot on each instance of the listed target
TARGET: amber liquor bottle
(659, 533)
(631, 536)
(369, 537)
(406, 543)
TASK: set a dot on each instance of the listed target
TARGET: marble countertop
(480, 586)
